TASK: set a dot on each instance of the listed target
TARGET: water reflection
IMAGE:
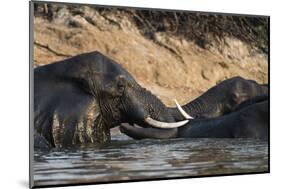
(126, 159)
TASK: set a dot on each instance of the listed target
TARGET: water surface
(127, 159)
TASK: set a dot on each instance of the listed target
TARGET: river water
(126, 159)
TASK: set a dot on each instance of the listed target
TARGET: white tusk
(164, 125)
(185, 115)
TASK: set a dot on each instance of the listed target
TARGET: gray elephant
(79, 99)
(218, 108)
(221, 99)
(249, 120)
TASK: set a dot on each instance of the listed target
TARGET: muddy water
(127, 159)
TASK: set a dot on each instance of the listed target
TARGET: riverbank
(169, 65)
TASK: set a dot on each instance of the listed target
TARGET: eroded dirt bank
(170, 66)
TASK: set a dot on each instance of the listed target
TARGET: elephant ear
(116, 87)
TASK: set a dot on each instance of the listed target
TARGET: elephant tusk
(164, 125)
(186, 115)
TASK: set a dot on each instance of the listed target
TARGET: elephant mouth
(166, 125)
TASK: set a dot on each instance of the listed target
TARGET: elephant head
(222, 98)
(124, 100)
(78, 100)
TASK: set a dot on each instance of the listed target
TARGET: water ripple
(126, 159)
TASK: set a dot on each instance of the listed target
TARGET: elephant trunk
(182, 111)
(197, 108)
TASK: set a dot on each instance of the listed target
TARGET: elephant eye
(151, 110)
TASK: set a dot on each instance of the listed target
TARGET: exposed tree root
(170, 49)
(51, 49)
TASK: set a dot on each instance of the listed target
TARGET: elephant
(249, 120)
(221, 99)
(79, 99)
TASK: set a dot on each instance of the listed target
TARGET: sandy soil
(171, 67)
